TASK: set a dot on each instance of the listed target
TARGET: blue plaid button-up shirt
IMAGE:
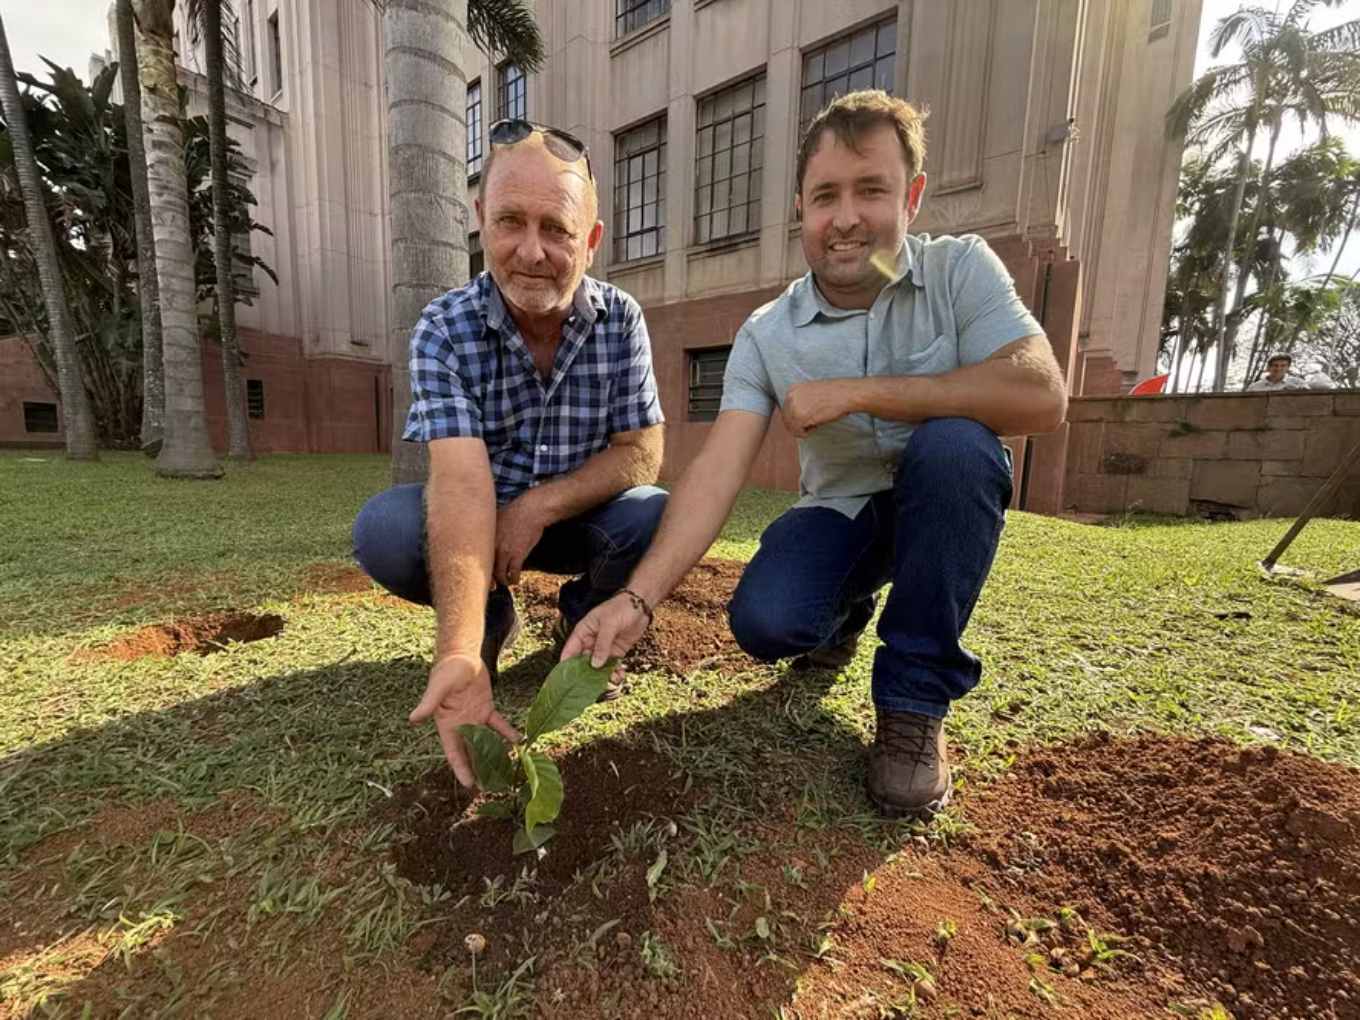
(473, 376)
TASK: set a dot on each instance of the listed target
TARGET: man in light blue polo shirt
(897, 361)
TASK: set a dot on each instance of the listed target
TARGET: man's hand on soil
(458, 692)
(519, 526)
(608, 631)
(808, 405)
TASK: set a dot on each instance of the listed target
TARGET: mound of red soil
(1240, 866)
(203, 635)
(690, 631)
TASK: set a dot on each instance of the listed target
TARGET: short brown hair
(851, 115)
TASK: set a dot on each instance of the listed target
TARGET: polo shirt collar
(807, 301)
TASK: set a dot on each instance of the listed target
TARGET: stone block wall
(1240, 455)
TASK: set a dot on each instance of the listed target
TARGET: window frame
(504, 84)
(251, 64)
(473, 117)
(32, 408)
(274, 44)
(754, 174)
(623, 181)
(625, 22)
(696, 361)
(822, 50)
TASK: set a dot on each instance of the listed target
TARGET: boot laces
(908, 735)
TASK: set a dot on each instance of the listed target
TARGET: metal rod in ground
(1315, 506)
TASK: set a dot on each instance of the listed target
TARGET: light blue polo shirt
(950, 303)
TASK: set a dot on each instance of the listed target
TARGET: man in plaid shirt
(533, 388)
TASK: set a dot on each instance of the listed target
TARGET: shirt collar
(588, 303)
(807, 300)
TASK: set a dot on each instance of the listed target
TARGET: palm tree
(238, 426)
(1285, 70)
(153, 378)
(186, 451)
(75, 402)
(427, 173)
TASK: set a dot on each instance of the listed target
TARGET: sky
(65, 31)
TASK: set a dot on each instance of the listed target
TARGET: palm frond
(506, 28)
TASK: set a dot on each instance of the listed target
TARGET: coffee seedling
(524, 782)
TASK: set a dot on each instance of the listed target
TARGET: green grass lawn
(1151, 625)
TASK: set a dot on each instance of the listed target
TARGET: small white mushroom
(475, 943)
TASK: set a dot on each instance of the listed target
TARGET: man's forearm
(608, 473)
(696, 511)
(461, 528)
(1015, 395)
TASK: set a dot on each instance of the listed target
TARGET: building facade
(1045, 136)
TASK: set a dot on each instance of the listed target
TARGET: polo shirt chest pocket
(938, 356)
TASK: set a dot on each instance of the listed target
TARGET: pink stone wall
(1257, 455)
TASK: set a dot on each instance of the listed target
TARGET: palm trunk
(427, 181)
(78, 420)
(1248, 256)
(1221, 305)
(148, 292)
(1345, 238)
(238, 426)
(187, 451)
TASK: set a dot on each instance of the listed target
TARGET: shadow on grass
(316, 752)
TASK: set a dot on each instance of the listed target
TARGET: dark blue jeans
(932, 537)
(601, 546)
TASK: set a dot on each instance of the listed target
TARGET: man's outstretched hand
(607, 632)
(459, 692)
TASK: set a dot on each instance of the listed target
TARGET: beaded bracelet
(639, 603)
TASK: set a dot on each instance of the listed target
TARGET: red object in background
(1150, 387)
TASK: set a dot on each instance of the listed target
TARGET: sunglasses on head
(564, 145)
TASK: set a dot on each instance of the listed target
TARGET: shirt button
(542, 447)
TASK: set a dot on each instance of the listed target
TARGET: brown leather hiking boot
(908, 765)
(502, 628)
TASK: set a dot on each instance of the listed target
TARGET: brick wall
(1257, 455)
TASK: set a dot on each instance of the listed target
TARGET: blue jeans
(601, 546)
(932, 537)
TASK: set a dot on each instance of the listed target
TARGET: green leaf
(526, 840)
(489, 756)
(571, 688)
(545, 785)
(496, 809)
(658, 866)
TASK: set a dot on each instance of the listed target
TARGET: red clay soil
(203, 635)
(1232, 876)
(1242, 867)
(690, 631)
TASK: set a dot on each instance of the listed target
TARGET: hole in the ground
(203, 635)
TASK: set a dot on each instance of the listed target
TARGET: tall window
(631, 14)
(242, 274)
(730, 147)
(275, 55)
(706, 370)
(860, 60)
(255, 398)
(512, 98)
(640, 191)
(251, 74)
(474, 129)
